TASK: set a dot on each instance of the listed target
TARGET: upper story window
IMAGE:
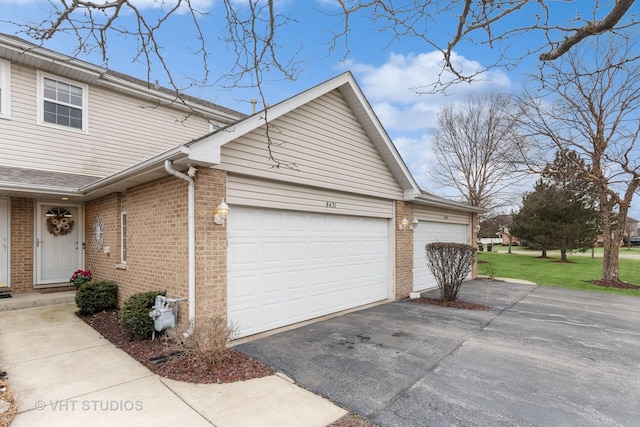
(62, 103)
(5, 89)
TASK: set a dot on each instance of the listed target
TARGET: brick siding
(404, 251)
(22, 238)
(157, 241)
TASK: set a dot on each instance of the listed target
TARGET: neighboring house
(630, 230)
(98, 171)
(495, 231)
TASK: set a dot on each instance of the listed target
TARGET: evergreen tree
(529, 224)
(561, 211)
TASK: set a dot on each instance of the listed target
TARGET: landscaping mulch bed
(618, 284)
(455, 304)
(176, 366)
(183, 367)
(351, 420)
(8, 407)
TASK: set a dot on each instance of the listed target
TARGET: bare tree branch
(253, 27)
(489, 23)
(592, 110)
(475, 150)
(592, 28)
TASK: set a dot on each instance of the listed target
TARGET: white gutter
(134, 170)
(439, 202)
(26, 47)
(192, 243)
(101, 75)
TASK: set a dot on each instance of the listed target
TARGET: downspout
(192, 243)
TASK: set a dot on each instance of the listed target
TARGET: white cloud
(201, 5)
(416, 153)
(409, 116)
(394, 87)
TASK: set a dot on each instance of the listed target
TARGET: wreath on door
(59, 221)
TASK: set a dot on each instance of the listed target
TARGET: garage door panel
(429, 232)
(244, 286)
(245, 255)
(302, 265)
(271, 253)
(295, 251)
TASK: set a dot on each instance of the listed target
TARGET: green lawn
(597, 251)
(575, 275)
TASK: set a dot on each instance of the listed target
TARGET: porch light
(406, 226)
(222, 212)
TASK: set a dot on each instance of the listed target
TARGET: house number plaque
(332, 205)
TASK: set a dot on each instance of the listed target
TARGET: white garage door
(428, 232)
(285, 267)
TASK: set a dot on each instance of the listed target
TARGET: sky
(387, 70)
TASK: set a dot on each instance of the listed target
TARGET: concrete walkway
(63, 373)
(36, 299)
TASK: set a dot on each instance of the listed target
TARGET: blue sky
(388, 71)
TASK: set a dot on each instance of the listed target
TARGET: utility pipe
(192, 243)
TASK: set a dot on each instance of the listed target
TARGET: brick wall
(157, 238)
(157, 241)
(101, 264)
(404, 251)
(22, 238)
(211, 245)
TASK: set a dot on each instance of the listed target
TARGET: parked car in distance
(634, 241)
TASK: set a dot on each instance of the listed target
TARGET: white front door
(4, 243)
(58, 242)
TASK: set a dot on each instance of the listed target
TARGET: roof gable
(209, 148)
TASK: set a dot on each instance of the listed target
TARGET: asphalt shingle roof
(44, 178)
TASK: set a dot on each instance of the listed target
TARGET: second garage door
(285, 267)
(428, 232)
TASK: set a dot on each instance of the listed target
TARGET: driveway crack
(447, 356)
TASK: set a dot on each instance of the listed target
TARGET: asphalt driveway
(541, 357)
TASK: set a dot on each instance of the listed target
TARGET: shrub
(450, 263)
(134, 315)
(97, 295)
(209, 342)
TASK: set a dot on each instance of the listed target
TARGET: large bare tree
(588, 103)
(476, 147)
(253, 29)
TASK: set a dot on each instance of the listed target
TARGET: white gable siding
(248, 191)
(327, 144)
(121, 132)
(424, 213)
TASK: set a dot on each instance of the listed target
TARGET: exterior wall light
(222, 212)
(405, 225)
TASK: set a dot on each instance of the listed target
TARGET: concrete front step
(36, 299)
